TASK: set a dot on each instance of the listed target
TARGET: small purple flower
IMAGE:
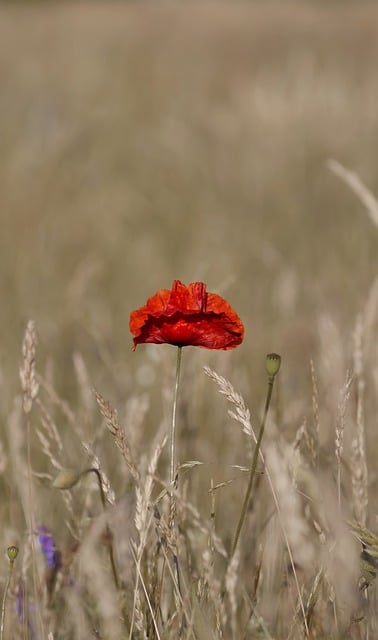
(52, 555)
(24, 611)
(20, 601)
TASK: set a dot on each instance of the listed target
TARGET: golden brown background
(145, 142)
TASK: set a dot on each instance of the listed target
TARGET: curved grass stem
(272, 363)
(108, 532)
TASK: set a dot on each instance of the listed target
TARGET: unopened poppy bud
(272, 364)
(12, 553)
(66, 479)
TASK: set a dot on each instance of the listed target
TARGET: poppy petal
(187, 316)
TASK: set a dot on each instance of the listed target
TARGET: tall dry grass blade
(101, 589)
(28, 376)
(135, 412)
(110, 416)
(62, 405)
(231, 584)
(242, 415)
(278, 456)
(359, 467)
(144, 516)
(353, 181)
(47, 450)
(49, 437)
(94, 461)
(211, 584)
(145, 591)
(50, 427)
(84, 383)
(315, 412)
(30, 389)
(314, 596)
(340, 428)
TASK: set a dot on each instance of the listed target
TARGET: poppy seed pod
(272, 364)
(12, 553)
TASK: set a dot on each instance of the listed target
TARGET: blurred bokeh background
(145, 142)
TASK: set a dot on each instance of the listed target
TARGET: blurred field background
(146, 142)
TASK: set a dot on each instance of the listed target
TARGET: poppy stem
(172, 470)
(273, 362)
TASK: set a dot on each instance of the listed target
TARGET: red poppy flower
(187, 316)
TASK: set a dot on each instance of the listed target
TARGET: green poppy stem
(273, 362)
(172, 470)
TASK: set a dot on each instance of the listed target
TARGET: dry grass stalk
(211, 583)
(359, 469)
(84, 384)
(144, 515)
(241, 413)
(30, 389)
(98, 581)
(353, 181)
(296, 461)
(296, 527)
(94, 462)
(57, 401)
(314, 596)
(314, 445)
(340, 427)
(110, 416)
(202, 526)
(140, 622)
(49, 438)
(144, 490)
(28, 375)
(50, 427)
(231, 586)
(212, 589)
(47, 450)
(135, 412)
(370, 314)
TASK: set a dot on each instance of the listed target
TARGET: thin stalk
(4, 601)
(31, 523)
(12, 554)
(108, 532)
(172, 468)
(252, 474)
(109, 537)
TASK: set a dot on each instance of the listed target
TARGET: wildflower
(187, 316)
(52, 555)
(20, 601)
(25, 611)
